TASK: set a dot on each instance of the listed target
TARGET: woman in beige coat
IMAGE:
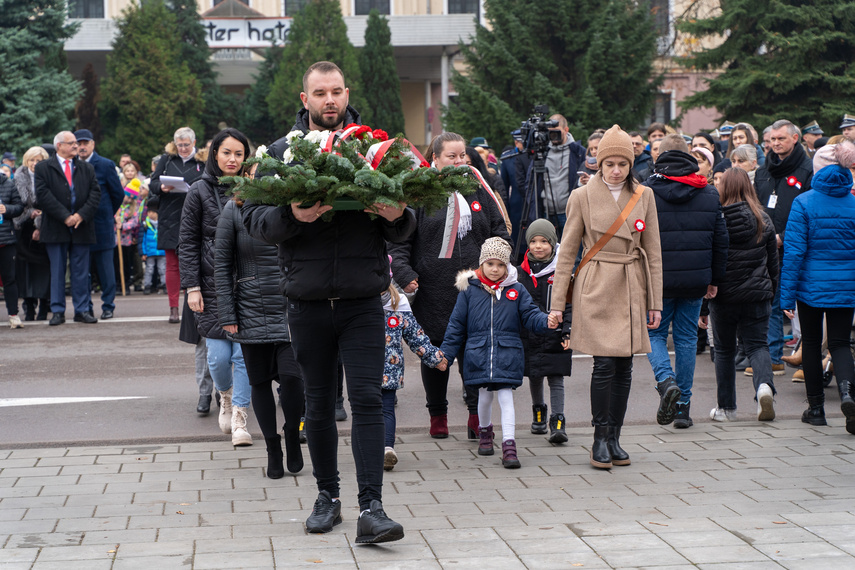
(617, 296)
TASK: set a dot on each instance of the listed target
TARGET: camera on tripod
(536, 134)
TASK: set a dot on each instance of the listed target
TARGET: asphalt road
(138, 354)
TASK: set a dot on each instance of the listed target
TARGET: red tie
(68, 172)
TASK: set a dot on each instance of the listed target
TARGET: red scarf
(693, 179)
(494, 285)
(525, 265)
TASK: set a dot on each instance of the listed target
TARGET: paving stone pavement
(743, 495)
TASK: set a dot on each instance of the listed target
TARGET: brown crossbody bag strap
(605, 239)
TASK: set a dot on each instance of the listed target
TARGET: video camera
(536, 134)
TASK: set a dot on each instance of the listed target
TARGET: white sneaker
(721, 415)
(225, 417)
(390, 459)
(239, 434)
(15, 322)
(765, 403)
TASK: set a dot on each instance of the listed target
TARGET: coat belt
(638, 254)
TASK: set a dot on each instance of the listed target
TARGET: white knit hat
(495, 248)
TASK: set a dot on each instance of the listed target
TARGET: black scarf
(781, 168)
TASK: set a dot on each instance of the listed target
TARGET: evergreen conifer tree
(37, 93)
(217, 107)
(149, 91)
(381, 86)
(86, 109)
(781, 59)
(318, 33)
(589, 60)
(254, 117)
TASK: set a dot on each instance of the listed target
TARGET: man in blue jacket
(101, 251)
(694, 241)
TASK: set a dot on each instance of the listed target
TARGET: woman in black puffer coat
(203, 207)
(743, 302)
(253, 312)
(10, 207)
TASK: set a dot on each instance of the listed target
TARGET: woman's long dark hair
(708, 137)
(478, 162)
(211, 166)
(736, 187)
(749, 136)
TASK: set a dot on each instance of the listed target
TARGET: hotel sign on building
(245, 32)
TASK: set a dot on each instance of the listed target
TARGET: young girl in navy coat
(490, 312)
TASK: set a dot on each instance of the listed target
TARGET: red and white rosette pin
(639, 225)
(393, 322)
(476, 206)
(512, 295)
(793, 181)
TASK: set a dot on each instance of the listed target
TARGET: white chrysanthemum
(287, 156)
(260, 151)
(317, 137)
(276, 176)
(294, 135)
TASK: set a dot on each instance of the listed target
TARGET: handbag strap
(611, 231)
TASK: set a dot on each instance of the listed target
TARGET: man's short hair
(634, 134)
(184, 133)
(562, 120)
(656, 127)
(321, 67)
(791, 128)
(673, 142)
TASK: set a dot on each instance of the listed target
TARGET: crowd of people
(629, 239)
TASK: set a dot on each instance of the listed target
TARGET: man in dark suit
(112, 195)
(67, 192)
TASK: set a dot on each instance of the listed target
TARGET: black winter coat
(344, 258)
(692, 230)
(774, 178)
(14, 207)
(171, 204)
(752, 266)
(418, 258)
(53, 196)
(202, 209)
(544, 355)
(247, 275)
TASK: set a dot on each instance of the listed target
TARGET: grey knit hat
(495, 248)
(545, 229)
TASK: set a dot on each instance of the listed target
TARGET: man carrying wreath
(333, 273)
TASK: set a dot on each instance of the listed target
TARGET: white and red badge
(476, 206)
(639, 225)
(393, 322)
(793, 181)
(550, 280)
(512, 295)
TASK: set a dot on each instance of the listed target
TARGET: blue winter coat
(490, 325)
(112, 196)
(149, 240)
(819, 256)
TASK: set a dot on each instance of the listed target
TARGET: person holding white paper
(181, 160)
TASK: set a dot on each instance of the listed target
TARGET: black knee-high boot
(619, 397)
(601, 389)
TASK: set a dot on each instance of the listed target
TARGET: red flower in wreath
(393, 322)
(476, 206)
(352, 125)
(360, 132)
(512, 294)
(639, 225)
(380, 135)
(424, 164)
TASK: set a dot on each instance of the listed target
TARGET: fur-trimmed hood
(201, 153)
(463, 277)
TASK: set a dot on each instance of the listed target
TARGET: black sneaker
(669, 393)
(681, 417)
(374, 526)
(325, 514)
(556, 428)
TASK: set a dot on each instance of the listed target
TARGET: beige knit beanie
(495, 248)
(615, 142)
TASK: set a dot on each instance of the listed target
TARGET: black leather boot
(815, 414)
(619, 456)
(294, 454)
(847, 404)
(274, 457)
(600, 456)
(538, 422)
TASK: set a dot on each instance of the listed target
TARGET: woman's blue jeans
(223, 355)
